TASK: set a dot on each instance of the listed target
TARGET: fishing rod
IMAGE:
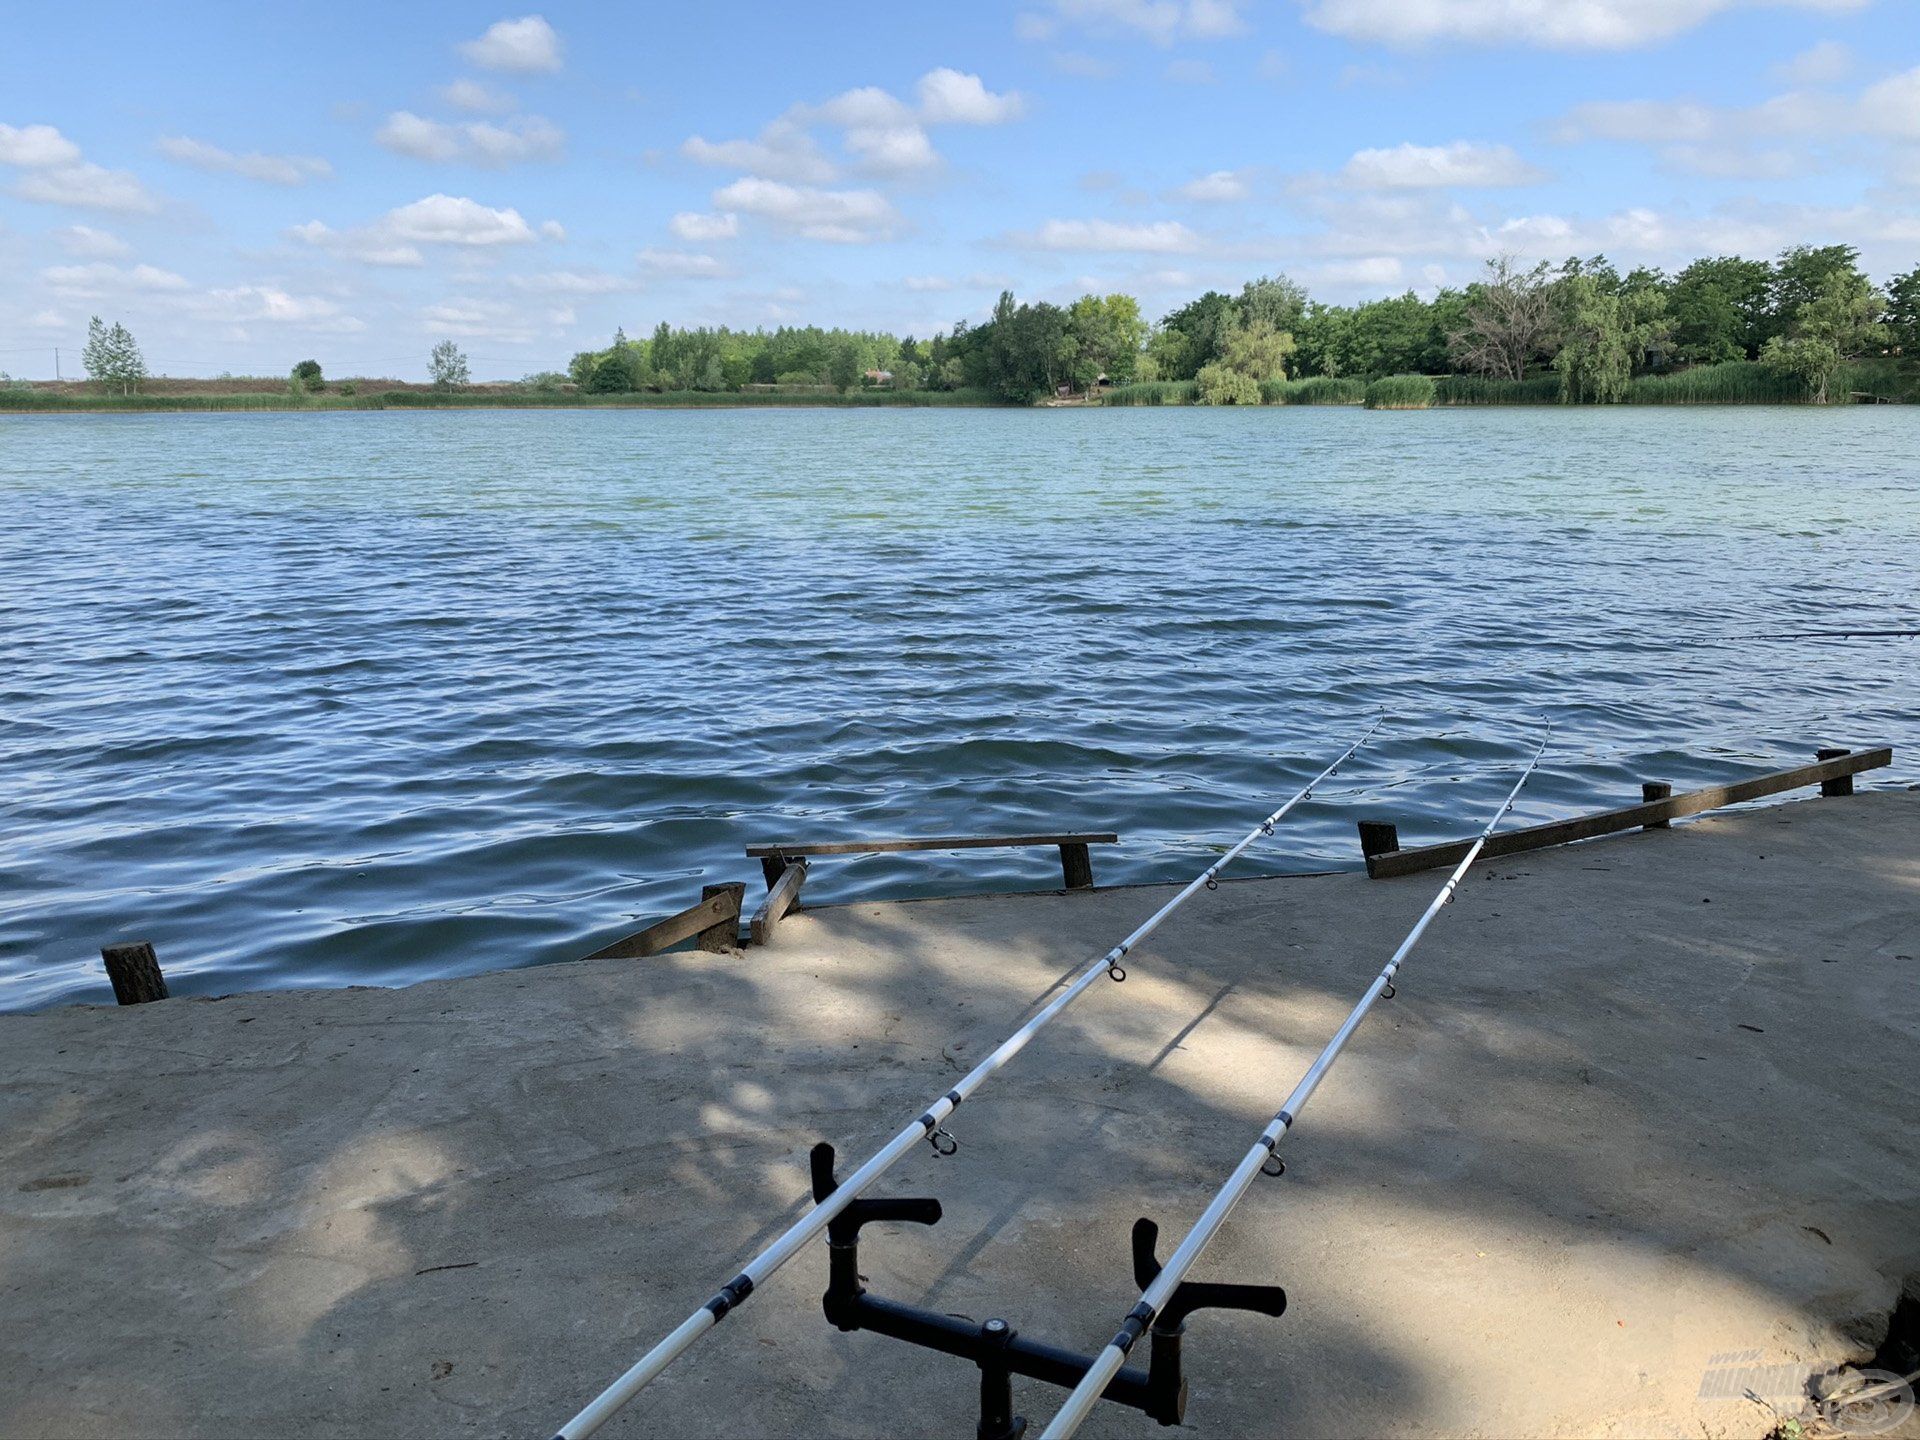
(1264, 1156)
(926, 1127)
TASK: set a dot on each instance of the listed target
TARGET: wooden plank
(779, 901)
(724, 934)
(1379, 837)
(135, 972)
(1633, 817)
(714, 909)
(794, 849)
(1076, 866)
(1840, 784)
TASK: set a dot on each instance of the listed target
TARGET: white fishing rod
(927, 1128)
(1264, 1154)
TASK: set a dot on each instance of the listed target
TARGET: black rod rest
(997, 1348)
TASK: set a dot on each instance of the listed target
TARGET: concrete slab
(1640, 1103)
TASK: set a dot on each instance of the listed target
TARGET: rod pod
(999, 1350)
(926, 1128)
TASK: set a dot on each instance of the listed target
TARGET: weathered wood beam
(1657, 790)
(795, 849)
(134, 970)
(719, 908)
(1841, 766)
(724, 934)
(779, 900)
(1076, 866)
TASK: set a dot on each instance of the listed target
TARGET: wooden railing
(1659, 807)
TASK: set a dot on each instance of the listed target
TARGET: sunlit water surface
(367, 698)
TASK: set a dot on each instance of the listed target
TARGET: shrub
(1401, 392)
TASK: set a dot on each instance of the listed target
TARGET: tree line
(1804, 313)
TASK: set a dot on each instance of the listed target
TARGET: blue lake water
(372, 697)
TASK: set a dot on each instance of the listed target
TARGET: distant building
(879, 377)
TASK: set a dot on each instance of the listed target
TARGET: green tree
(448, 366)
(1104, 337)
(1720, 309)
(1842, 320)
(843, 371)
(1799, 277)
(1193, 336)
(1605, 333)
(1252, 352)
(306, 375)
(1274, 299)
(1903, 312)
(112, 357)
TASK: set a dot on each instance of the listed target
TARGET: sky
(248, 186)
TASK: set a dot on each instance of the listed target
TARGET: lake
(365, 698)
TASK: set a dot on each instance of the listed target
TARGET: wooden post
(771, 866)
(1379, 837)
(780, 899)
(724, 934)
(1076, 864)
(135, 972)
(1656, 790)
(1840, 784)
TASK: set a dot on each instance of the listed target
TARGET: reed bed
(1479, 390)
(1737, 382)
(1401, 392)
(1154, 392)
(1314, 390)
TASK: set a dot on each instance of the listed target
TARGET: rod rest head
(844, 1228)
(1192, 1295)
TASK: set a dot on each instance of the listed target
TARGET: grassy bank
(1740, 382)
(27, 401)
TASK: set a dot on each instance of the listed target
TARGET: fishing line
(927, 1128)
(1264, 1157)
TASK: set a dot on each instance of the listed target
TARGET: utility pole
(56, 362)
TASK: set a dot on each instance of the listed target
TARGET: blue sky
(249, 186)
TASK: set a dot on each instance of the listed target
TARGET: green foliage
(1606, 332)
(1719, 309)
(1485, 390)
(1153, 392)
(448, 366)
(306, 375)
(1732, 382)
(1903, 312)
(1401, 392)
(1252, 352)
(1105, 335)
(1314, 390)
(112, 358)
(1840, 321)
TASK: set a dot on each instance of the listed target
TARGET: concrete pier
(1641, 1105)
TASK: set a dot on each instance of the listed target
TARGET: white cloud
(784, 151)
(526, 46)
(456, 220)
(844, 216)
(1161, 21)
(1365, 272)
(1217, 188)
(272, 169)
(1892, 107)
(1826, 63)
(1160, 237)
(1418, 167)
(1555, 24)
(369, 247)
(476, 98)
(247, 304)
(683, 263)
(86, 186)
(689, 225)
(927, 284)
(892, 149)
(92, 243)
(1190, 72)
(32, 146)
(951, 97)
(474, 142)
(396, 237)
(574, 282)
(100, 279)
